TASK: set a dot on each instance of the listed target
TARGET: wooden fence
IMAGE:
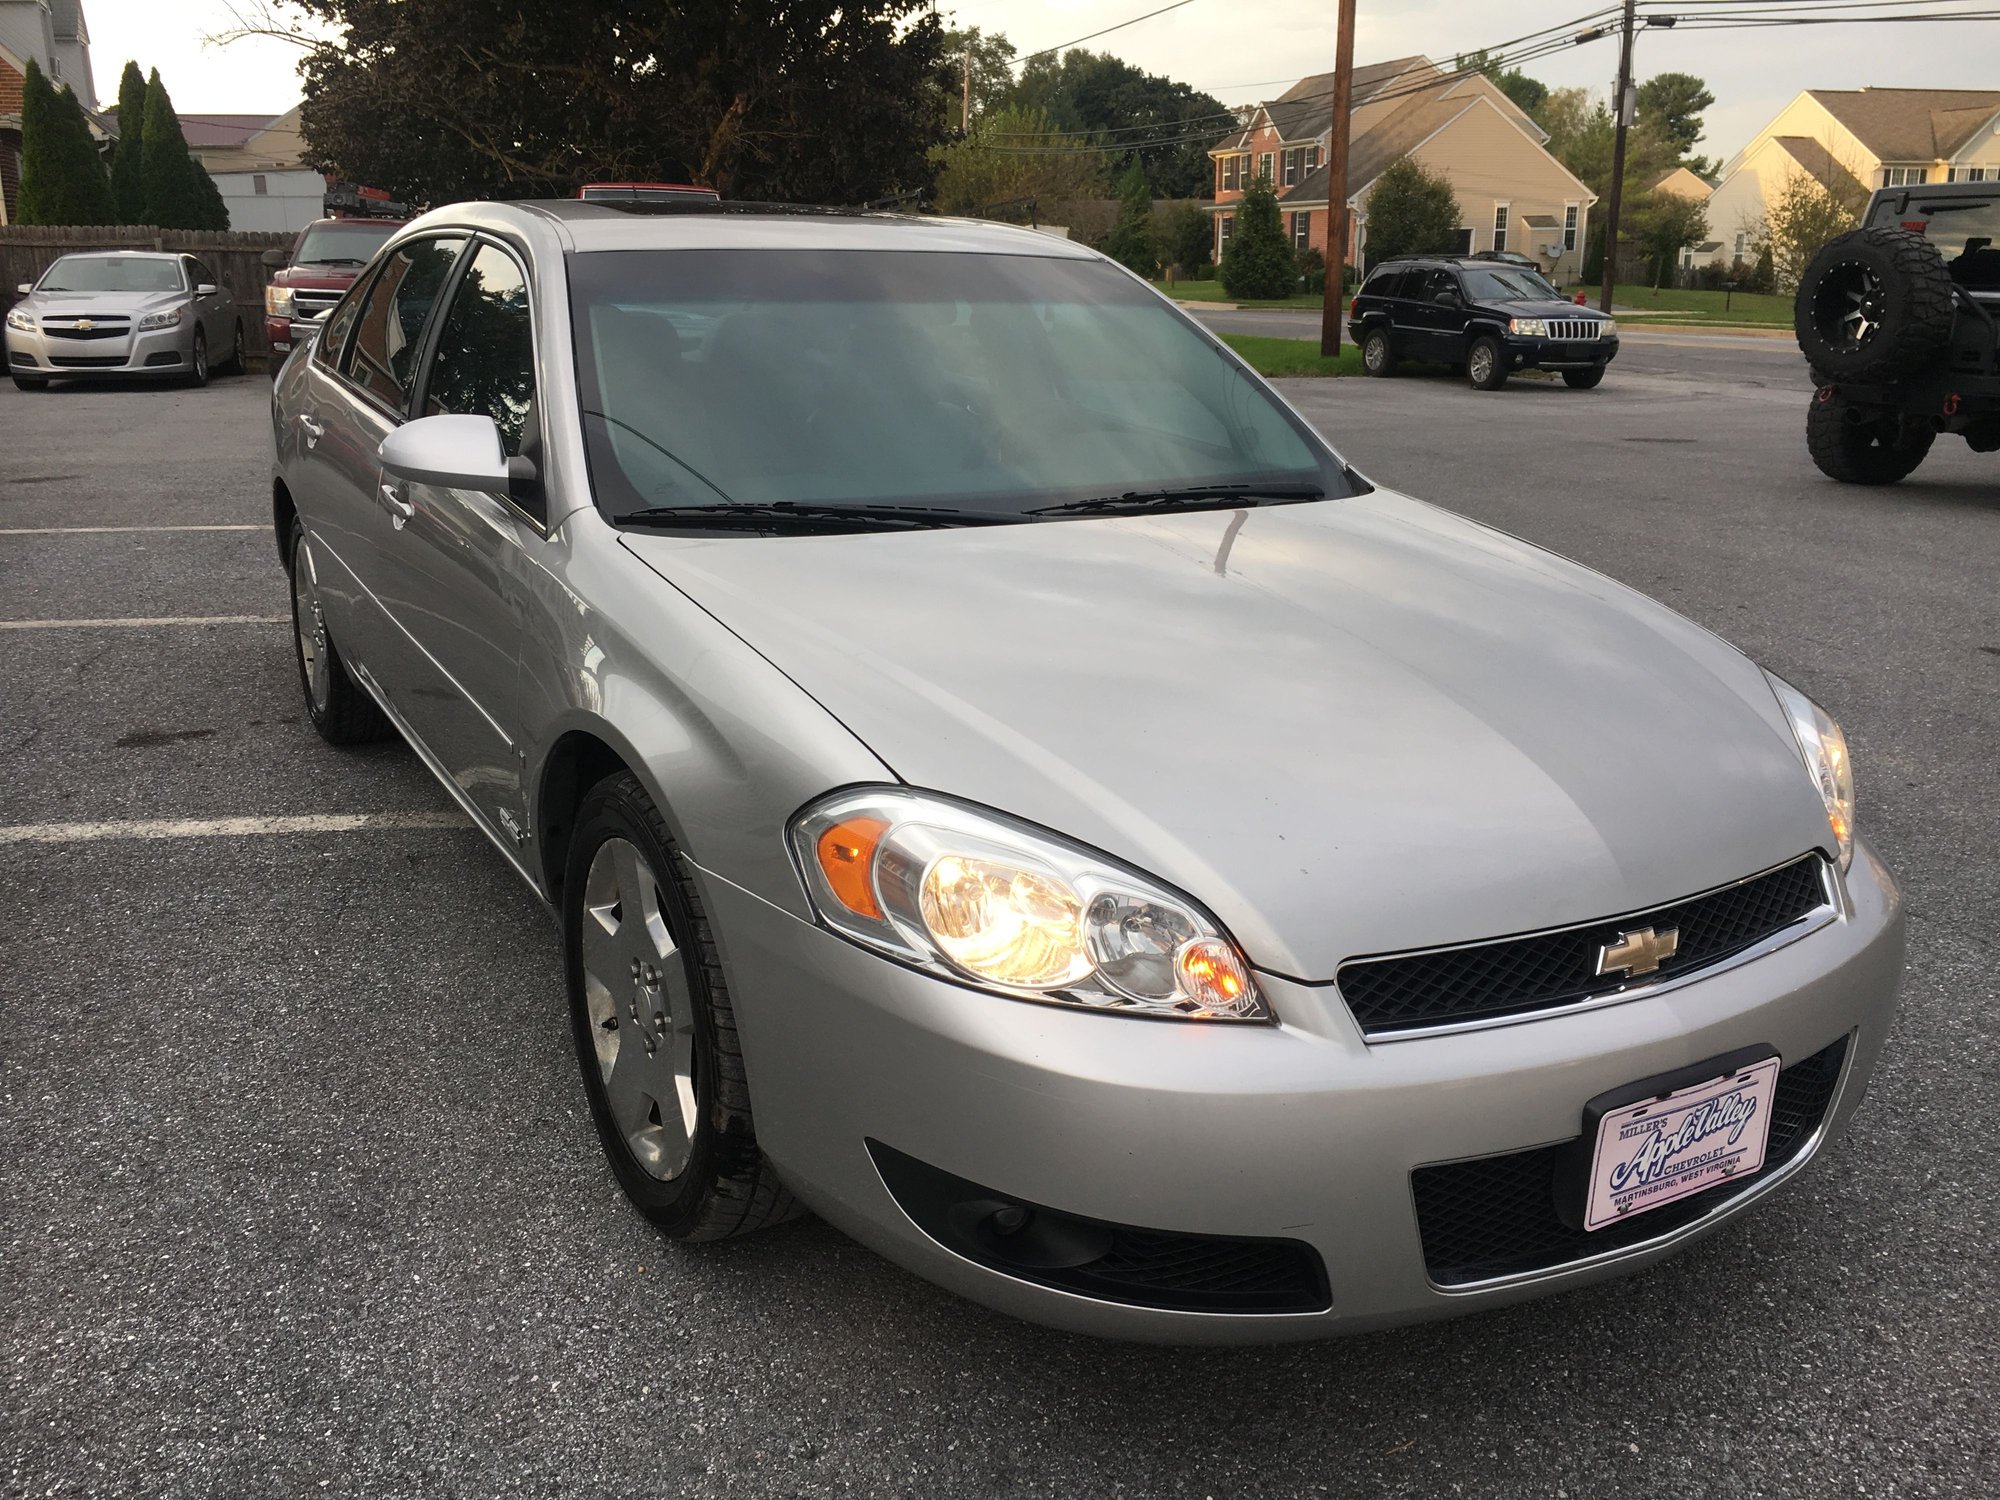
(26, 250)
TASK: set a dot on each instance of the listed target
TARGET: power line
(1047, 51)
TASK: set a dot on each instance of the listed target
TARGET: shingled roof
(1910, 125)
(1304, 110)
(1821, 166)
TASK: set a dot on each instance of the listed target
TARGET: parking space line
(227, 828)
(142, 624)
(102, 530)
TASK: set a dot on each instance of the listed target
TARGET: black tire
(726, 1187)
(1874, 305)
(29, 383)
(338, 706)
(197, 375)
(1378, 354)
(1855, 448)
(1584, 380)
(238, 364)
(1486, 365)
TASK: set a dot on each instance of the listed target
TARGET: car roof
(587, 227)
(126, 254)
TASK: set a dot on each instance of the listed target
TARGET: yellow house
(1852, 141)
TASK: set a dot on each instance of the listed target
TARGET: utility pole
(965, 106)
(1334, 305)
(1622, 103)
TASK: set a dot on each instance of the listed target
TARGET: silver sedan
(123, 313)
(1007, 784)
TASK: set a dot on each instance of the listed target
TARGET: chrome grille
(311, 300)
(100, 328)
(1574, 328)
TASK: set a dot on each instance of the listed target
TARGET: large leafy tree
(179, 194)
(1133, 242)
(792, 100)
(991, 57)
(1258, 261)
(1665, 223)
(1582, 136)
(1527, 92)
(1014, 155)
(128, 180)
(1411, 211)
(1803, 217)
(1172, 124)
(63, 180)
(1672, 104)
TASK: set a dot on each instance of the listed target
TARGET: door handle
(313, 430)
(400, 509)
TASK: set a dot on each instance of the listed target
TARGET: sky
(1238, 50)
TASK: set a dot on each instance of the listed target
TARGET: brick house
(1512, 194)
(54, 34)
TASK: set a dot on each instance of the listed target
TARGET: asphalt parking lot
(298, 1195)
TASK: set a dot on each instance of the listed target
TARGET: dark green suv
(1486, 318)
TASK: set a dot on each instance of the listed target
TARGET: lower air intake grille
(1543, 971)
(1496, 1215)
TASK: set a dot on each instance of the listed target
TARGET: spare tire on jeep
(1875, 305)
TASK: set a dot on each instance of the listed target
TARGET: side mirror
(452, 452)
(206, 289)
(277, 260)
(1446, 299)
(25, 288)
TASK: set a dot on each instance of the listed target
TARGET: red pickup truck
(323, 263)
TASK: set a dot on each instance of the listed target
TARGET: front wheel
(1378, 357)
(198, 360)
(1485, 366)
(1584, 380)
(237, 364)
(655, 1029)
(1856, 447)
(339, 707)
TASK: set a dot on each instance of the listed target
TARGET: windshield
(1957, 226)
(111, 273)
(352, 241)
(1507, 284)
(996, 383)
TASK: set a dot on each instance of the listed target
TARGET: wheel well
(578, 761)
(283, 513)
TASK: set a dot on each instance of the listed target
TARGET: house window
(1302, 231)
(1264, 165)
(1499, 226)
(1290, 168)
(258, 185)
(1741, 241)
(1965, 174)
(1230, 179)
(1903, 176)
(1228, 228)
(1570, 213)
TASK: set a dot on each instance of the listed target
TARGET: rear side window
(485, 363)
(390, 327)
(1386, 284)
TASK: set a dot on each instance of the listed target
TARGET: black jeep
(1898, 320)
(1486, 318)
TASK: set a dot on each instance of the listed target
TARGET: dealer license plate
(1659, 1151)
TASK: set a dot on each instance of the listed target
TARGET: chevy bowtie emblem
(1640, 951)
(83, 325)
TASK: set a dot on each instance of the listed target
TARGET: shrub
(1258, 260)
(1189, 239)
(1411, 212)
(1132, 242)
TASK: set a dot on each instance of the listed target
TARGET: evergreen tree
(173, 195)
(1190, 238)
(128, 188)
(1258, 260)
(63, 180)
(1132, 241)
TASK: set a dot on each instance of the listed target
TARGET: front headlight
(278, 301)
(18, 319)
(1529, 328)
(1825, 750)
(990, 902)
(1608, 329)
(169, 319)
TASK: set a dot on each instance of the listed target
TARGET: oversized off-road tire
(339, 707)
(1856, 446)
(1875, 305)
(1486, 365)
(655, 1029)
(1584, 380)
(1378, 355)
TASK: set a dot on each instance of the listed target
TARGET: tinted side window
(485, 363)
(383, 358)
(1435, 284)
(200, 275)
(332, 340)
(1386, 284)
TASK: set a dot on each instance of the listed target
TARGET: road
(300, 1197)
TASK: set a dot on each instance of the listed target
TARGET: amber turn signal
(846, 854)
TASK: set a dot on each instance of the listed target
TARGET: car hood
(1542, 307)
(61, 304)
(1347, 727)
(317, 278)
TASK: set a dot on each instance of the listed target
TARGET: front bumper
(1558, 354)
(160, 351)
(1296, 1132)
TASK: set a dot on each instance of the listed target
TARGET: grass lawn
(1211, 291)
(1703, 307)
(1283, 358)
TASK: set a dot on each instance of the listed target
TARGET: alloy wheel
(200, 358)
(1480, 366)
(1375, 353)
(1850, 306)
(641, 1009)
(309, 623)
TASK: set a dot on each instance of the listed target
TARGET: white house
(258, 163)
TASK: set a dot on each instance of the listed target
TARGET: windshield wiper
(1196, 497)
(750, 515)
(333, 260)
